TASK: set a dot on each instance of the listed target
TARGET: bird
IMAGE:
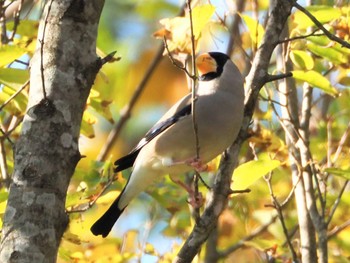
(169, 147)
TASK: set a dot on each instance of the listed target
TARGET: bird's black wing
(128, 160)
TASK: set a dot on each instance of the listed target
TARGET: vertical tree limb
(47, 151)
(290, 116)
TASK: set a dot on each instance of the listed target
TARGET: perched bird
(169, 147)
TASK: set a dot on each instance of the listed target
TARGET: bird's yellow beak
(205, 64)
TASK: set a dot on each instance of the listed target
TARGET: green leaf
(246, 174)
(87, 128)
(9, 53)
(255, 29)
(329, 53)
(201, 15)
(343, 173)
(327, 43)
(102, 107)
(18, 105)
(302, 59)
(13, 77)
(28, 28)
(315, 79)
(322, 13)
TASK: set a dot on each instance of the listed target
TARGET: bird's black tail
(104, 225)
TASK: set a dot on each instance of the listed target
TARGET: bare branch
(338, 229)
(42, 42)
(14, 95)
(336, 202)
(278, 208)
(301, 37)
(320, 26)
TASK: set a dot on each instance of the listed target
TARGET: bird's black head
(211, 65)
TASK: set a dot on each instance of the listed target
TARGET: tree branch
(320, 26)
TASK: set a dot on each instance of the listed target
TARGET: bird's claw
(197, 164)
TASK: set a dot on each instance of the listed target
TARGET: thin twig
(84, 207)
(14, 95)
(173, 61)
(16, 20)
(312, 34)
(320, 26)
(278, 208)
(341, 144)
(336, 202)
(42, 42)
(338, 229)
(194, 81)
(270, 78)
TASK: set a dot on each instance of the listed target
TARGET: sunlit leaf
(255, 29)
(316, 80)
(87, 128)
(248, 173)
(328, 53)
(3, 195)
(302, 59)
(322, 13)
(27, 28)
(102, 107)
(74, 199)
(13, 78)
(177, 30)
(149, 249)
(18, 104)
(201, 15)
(336, 171)
(327, 43)
(130, 241)
(9, 53)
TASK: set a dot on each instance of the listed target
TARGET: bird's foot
(197, 164)
(195, 199)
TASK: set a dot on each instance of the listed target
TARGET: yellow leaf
(246, 174)
(9, 53)
(201, 16)
(149, 249)
(177, 30)
(323, 14)
(340, 172)
(130, 241)
(302, 59)
(316, 80)
(13, 77)
(255, 28)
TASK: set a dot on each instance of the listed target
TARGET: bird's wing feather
(185, 107)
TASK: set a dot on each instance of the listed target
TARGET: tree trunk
(63, 70)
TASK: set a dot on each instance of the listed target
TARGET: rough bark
(63, 70)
